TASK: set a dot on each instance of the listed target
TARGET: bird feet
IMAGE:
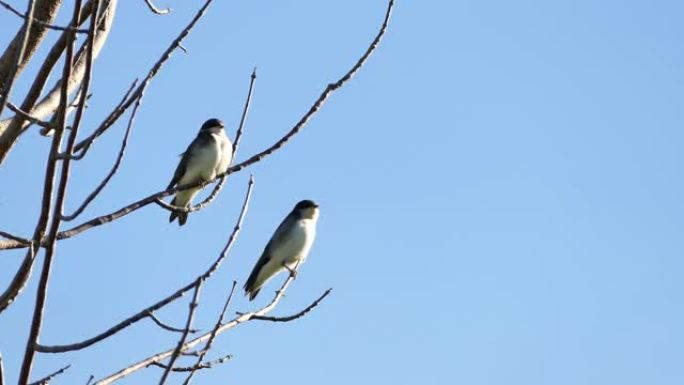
(293, 272)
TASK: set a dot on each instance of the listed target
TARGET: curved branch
(155, 10)
(160, 304)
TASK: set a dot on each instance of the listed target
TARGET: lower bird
(209, 154)
(288, 248)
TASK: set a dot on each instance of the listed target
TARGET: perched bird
(288, 247)
(207, 156)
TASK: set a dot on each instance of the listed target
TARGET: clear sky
(501, 190)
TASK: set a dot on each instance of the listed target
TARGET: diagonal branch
(246, 317)
(42, 23)
(160, 304)
(188, 325)
(167, 327)
(46, 380)
(213, 335)
(294, 316)
(112, 171)
(8, 81)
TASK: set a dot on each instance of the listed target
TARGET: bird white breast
(226, 152)
(203, 164)
(297, 244)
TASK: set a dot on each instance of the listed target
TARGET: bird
(288, 248)
(209, 154)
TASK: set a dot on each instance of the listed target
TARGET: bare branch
(214, 332)
(8, 81)
(332, 87)
(15, 238)
(294, 316)
(41, 294)
(177, 294)
(46, 380)
(11, 129)
(246, 317)
(40, 22)
(167, 327)
(206, 365)
(85, 144)
(188, 325)
(238, 133)
(155, 10)
(28, 116)
(111, 173)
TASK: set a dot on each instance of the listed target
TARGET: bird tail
(182, 217)
(250, 286)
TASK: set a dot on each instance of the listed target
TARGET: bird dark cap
(306, 204)
(211, 123)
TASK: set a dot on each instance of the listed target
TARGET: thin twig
(155, 10)
(85, 144)
(294, 316)
(206, 365)
(14, 237)
(246, 317)
(160, 304)
(41, 22)
(214, 332)
(188, 325)
(112, 171)
(29, 117)
(167, 327)
(45, 380)
(245, 110)
(41, 293)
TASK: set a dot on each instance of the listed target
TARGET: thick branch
(11, 72)
(41, 294)
(11, 129)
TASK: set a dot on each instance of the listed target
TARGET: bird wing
(277, 238)
(186, 157)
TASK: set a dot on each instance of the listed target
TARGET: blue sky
(501, 190)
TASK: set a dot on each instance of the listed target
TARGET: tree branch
(188, 325)
(294, 316)
(206, 365)
(160, 304)
(210, 341)
(46, 380)
(40, 22)
(8, 81)
(41, 295)
(112, 171)
(167, 327)
(246, 317)
(155, 10)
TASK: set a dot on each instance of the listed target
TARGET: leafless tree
(58, 113)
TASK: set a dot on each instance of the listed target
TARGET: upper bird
(207, 156)
(288, 247)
